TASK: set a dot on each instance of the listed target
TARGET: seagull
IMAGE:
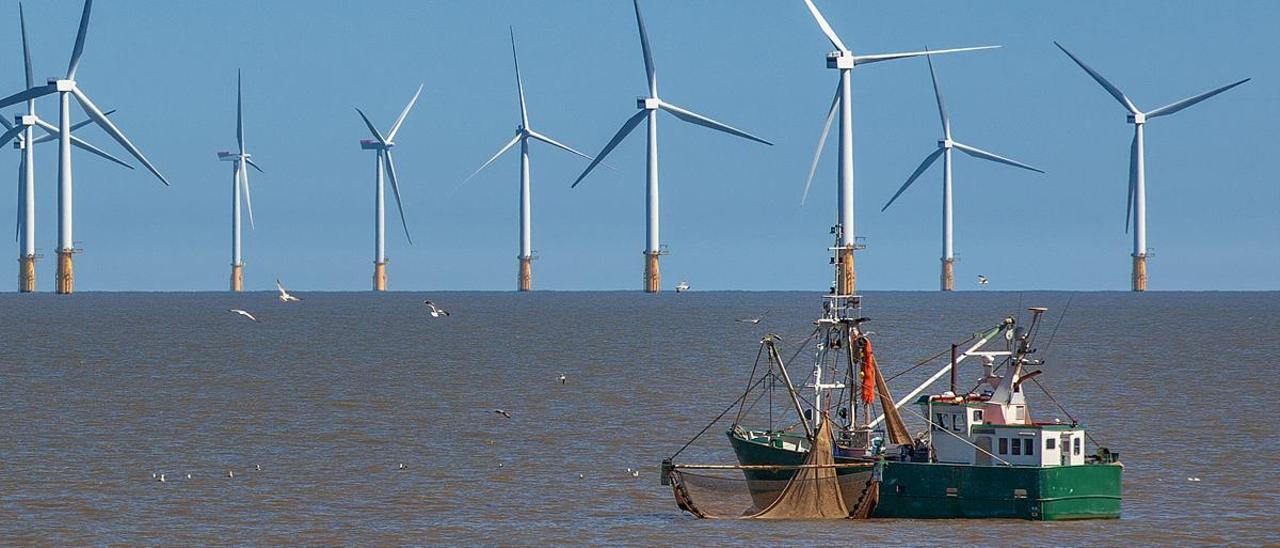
(754, 320)
(502, 412)
(635, 473)
(188, 476)
(580, 476)
(1191, 479)
(436, 311)
(563, 379)
(403, 467)
(500, 465)
(982, 280)
(284, 295)
(257, 467)
(161, 478)
(231, 474)
(243, 313)
(154, 476)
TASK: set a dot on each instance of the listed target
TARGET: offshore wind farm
(150, 397)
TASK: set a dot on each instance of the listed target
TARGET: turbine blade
(1175, 107)
(51, 131)
(822, 142)
(395, 188)
(501, 151)
(979, 153)
(391, 135)
(254, 164)
(928, 161)
(695, 118)
(26, 51)
(22, 199)
(239, 115)
(376, 134)
(10, 134)
(557, 144)
(1133, 181)
(622, 133)
(524, 113)
(27, 95)
(111, 129)
(937, 94)
(649, 69)
(876, 58)
(78, 50)
(7, 124)
(1111, 88)
(244, 185)
(826, 27)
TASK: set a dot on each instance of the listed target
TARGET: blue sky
(731, 211)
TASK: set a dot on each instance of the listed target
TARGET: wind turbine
(523, 134)
(845, 60)
(67, 88)
(649, 107)
(22, 134)
(385, 164)
(1136, 206)
(945, 145)
(239, 183)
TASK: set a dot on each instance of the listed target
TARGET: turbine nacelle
(648, 103)
(374, 144)
(233, 156)
(62, 85)
(25, 120)
(840, 60)
(1137, 118)
(946, 143)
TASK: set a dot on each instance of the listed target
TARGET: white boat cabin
(994, 428)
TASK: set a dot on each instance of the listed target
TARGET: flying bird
(243, 313)
(982, 280)
(284, 295)
(753, 320)
(502, 412)
(436, 311)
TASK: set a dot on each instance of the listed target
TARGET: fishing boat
(682, 286)
(981, 453)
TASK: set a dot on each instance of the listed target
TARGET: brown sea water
(329, 396)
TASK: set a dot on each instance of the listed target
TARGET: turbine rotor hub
(842, 60)
(648, 103)
(1137, 119)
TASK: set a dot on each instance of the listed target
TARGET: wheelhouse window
(1075, 446)
(942, 421)
(977, 416)
(1050, 444)
(1029, 446)
(1004, 446)
(957, 423)
(1017, 446)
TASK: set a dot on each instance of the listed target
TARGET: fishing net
(817, 489)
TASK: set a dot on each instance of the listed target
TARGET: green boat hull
(934, 490)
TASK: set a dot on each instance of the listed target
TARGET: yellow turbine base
(1140, 273)
(652, 276)
(525, 279)
(847, 281)
(27, 274)
(380, 276)
(948, 274)
(237, 277)
(66, 281)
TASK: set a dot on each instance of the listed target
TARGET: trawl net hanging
(819, 488)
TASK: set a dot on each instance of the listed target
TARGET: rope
(717, 419)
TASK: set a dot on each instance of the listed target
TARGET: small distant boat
(682, 286)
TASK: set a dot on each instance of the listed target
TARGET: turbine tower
(1136, 207)
(945, 146)
(67, 88)
(385, 164)
(22, 134)
(239, 183)
(649, 107)
(524, 280)
(845, 60)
